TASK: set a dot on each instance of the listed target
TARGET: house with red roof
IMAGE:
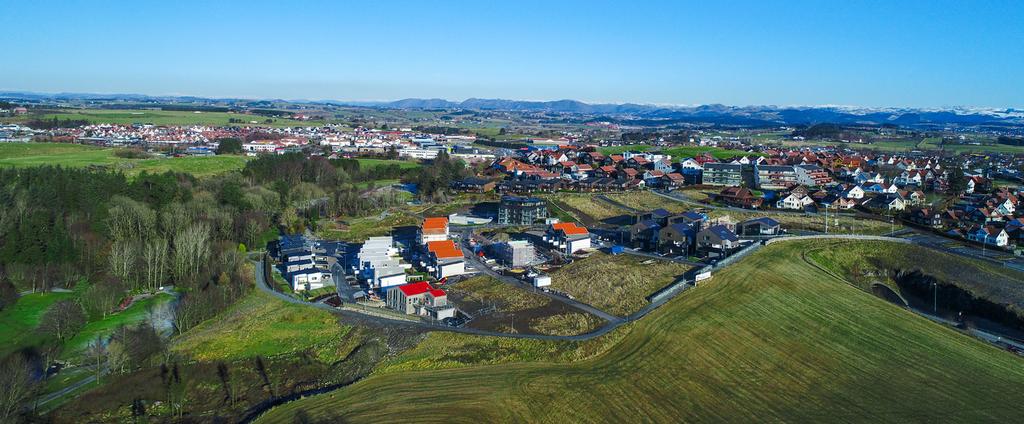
(420, 298)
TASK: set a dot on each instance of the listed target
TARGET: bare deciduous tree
(124, 254)
(16, 386)
(155, 258)
(62, 320)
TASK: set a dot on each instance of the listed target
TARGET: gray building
(516, 253)
(723, 174)
(515, 210)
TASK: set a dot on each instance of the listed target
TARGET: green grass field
(163, 118)
(18, 322)
(768, 339)
(260, 325)
(371, 163)
(77, 155)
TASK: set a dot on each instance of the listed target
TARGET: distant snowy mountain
(628, 112)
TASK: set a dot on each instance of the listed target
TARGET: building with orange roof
(444, 259)
(568, 236)
(433, 229)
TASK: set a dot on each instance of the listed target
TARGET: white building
(378, 263)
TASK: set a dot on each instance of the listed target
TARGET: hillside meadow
(771, 338)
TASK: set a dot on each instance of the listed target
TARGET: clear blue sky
(868, 53)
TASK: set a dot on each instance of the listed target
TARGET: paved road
(50, 397)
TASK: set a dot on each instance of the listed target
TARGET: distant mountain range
(740, 115)
(625, 113)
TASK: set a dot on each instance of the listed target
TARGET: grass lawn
(261, 325)
(18, 322)
(371, 163)
(165, 118)
(78, 155)
(616, 284)
(769, 339)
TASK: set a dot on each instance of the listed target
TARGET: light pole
(935, 297)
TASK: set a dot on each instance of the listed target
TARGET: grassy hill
(771, 338)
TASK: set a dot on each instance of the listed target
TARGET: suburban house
(433, 229)
(926, 217)
(473, 185)
(644, 234)
(445, 259)
(990, 235)
(717, 240)
(568, 236)
(795, 200)
(420, 298)
(757, 227)
(740, 197)
(677, 238)
(886, 202)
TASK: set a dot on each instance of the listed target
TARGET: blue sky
(866, 53)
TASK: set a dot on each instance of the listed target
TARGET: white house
(794, 201)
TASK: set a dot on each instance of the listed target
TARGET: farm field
(617, 284)
(517, 309)
(771, 338)
(77, 155)
(163, 118)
